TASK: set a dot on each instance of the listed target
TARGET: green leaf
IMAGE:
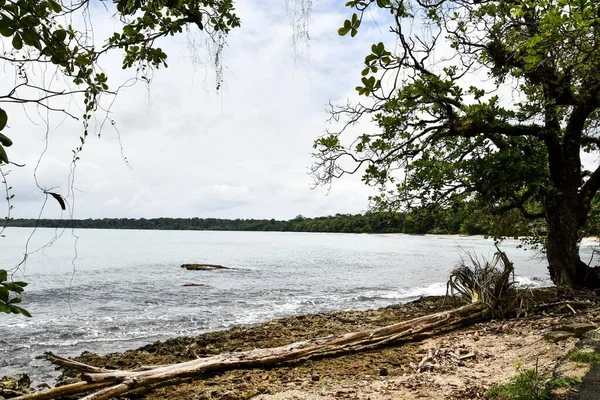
(15, 300)
(5, 141)
(83, 60)
(22, 311)
(28, 21)
(532, 59)
(4, 308)
(19, 283)
(3, 275)
(353, 32)
(12, 287)
(56, 7)
(343, 31)
(3, 119)
(30, 37)
(365, 72)
(60, 34)
(4, 295)
(17, 42)
(354, 19)
(347, 24)
(3, 155)
(6, 27)
(6, 32)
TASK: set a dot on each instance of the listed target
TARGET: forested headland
(465, 220)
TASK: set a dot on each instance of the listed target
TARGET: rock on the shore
(558, 336)
(203, 267)
(576, 329)
(14, 386)
(579, 328)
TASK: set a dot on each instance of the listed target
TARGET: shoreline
(440, 235)
(383, 373)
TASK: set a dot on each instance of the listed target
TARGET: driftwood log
(105, 384)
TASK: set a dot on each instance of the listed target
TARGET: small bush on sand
(529, 384)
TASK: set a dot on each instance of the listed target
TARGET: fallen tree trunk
(118, 382)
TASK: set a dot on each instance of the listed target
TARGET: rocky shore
(459, 364)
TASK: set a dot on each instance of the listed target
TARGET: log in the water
(203, 267)
(118, 382)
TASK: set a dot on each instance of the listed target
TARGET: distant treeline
(396, 222)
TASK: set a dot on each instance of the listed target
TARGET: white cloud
(242, 152)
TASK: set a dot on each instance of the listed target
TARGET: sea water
(112, 290)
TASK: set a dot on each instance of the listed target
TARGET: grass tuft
(529, 384)
(566, 382)
(585, 357)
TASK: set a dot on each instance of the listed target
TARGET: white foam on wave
(531, 282)
(434, 289)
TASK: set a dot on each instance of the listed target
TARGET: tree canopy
(492, 101)
(47, 32)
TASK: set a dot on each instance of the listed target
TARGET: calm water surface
(111, 290)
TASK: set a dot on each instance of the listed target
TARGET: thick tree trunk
(564, 263)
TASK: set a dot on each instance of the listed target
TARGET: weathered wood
(68, 363)
(118, 382)
(61, 391)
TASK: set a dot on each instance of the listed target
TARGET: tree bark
(564, 263)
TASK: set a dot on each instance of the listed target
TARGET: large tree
(46, 40)
(490, 100)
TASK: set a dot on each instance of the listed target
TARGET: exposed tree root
(112, 383)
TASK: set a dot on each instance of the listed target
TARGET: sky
(184, 149)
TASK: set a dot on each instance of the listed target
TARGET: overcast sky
(242, 152)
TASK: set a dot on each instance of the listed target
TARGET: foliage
(585, 357)
(42, 32)
(8, 302)
(491, 102)
(565, 382)
(415, 221)
(529, 384)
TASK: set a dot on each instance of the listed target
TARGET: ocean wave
(531, 281)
